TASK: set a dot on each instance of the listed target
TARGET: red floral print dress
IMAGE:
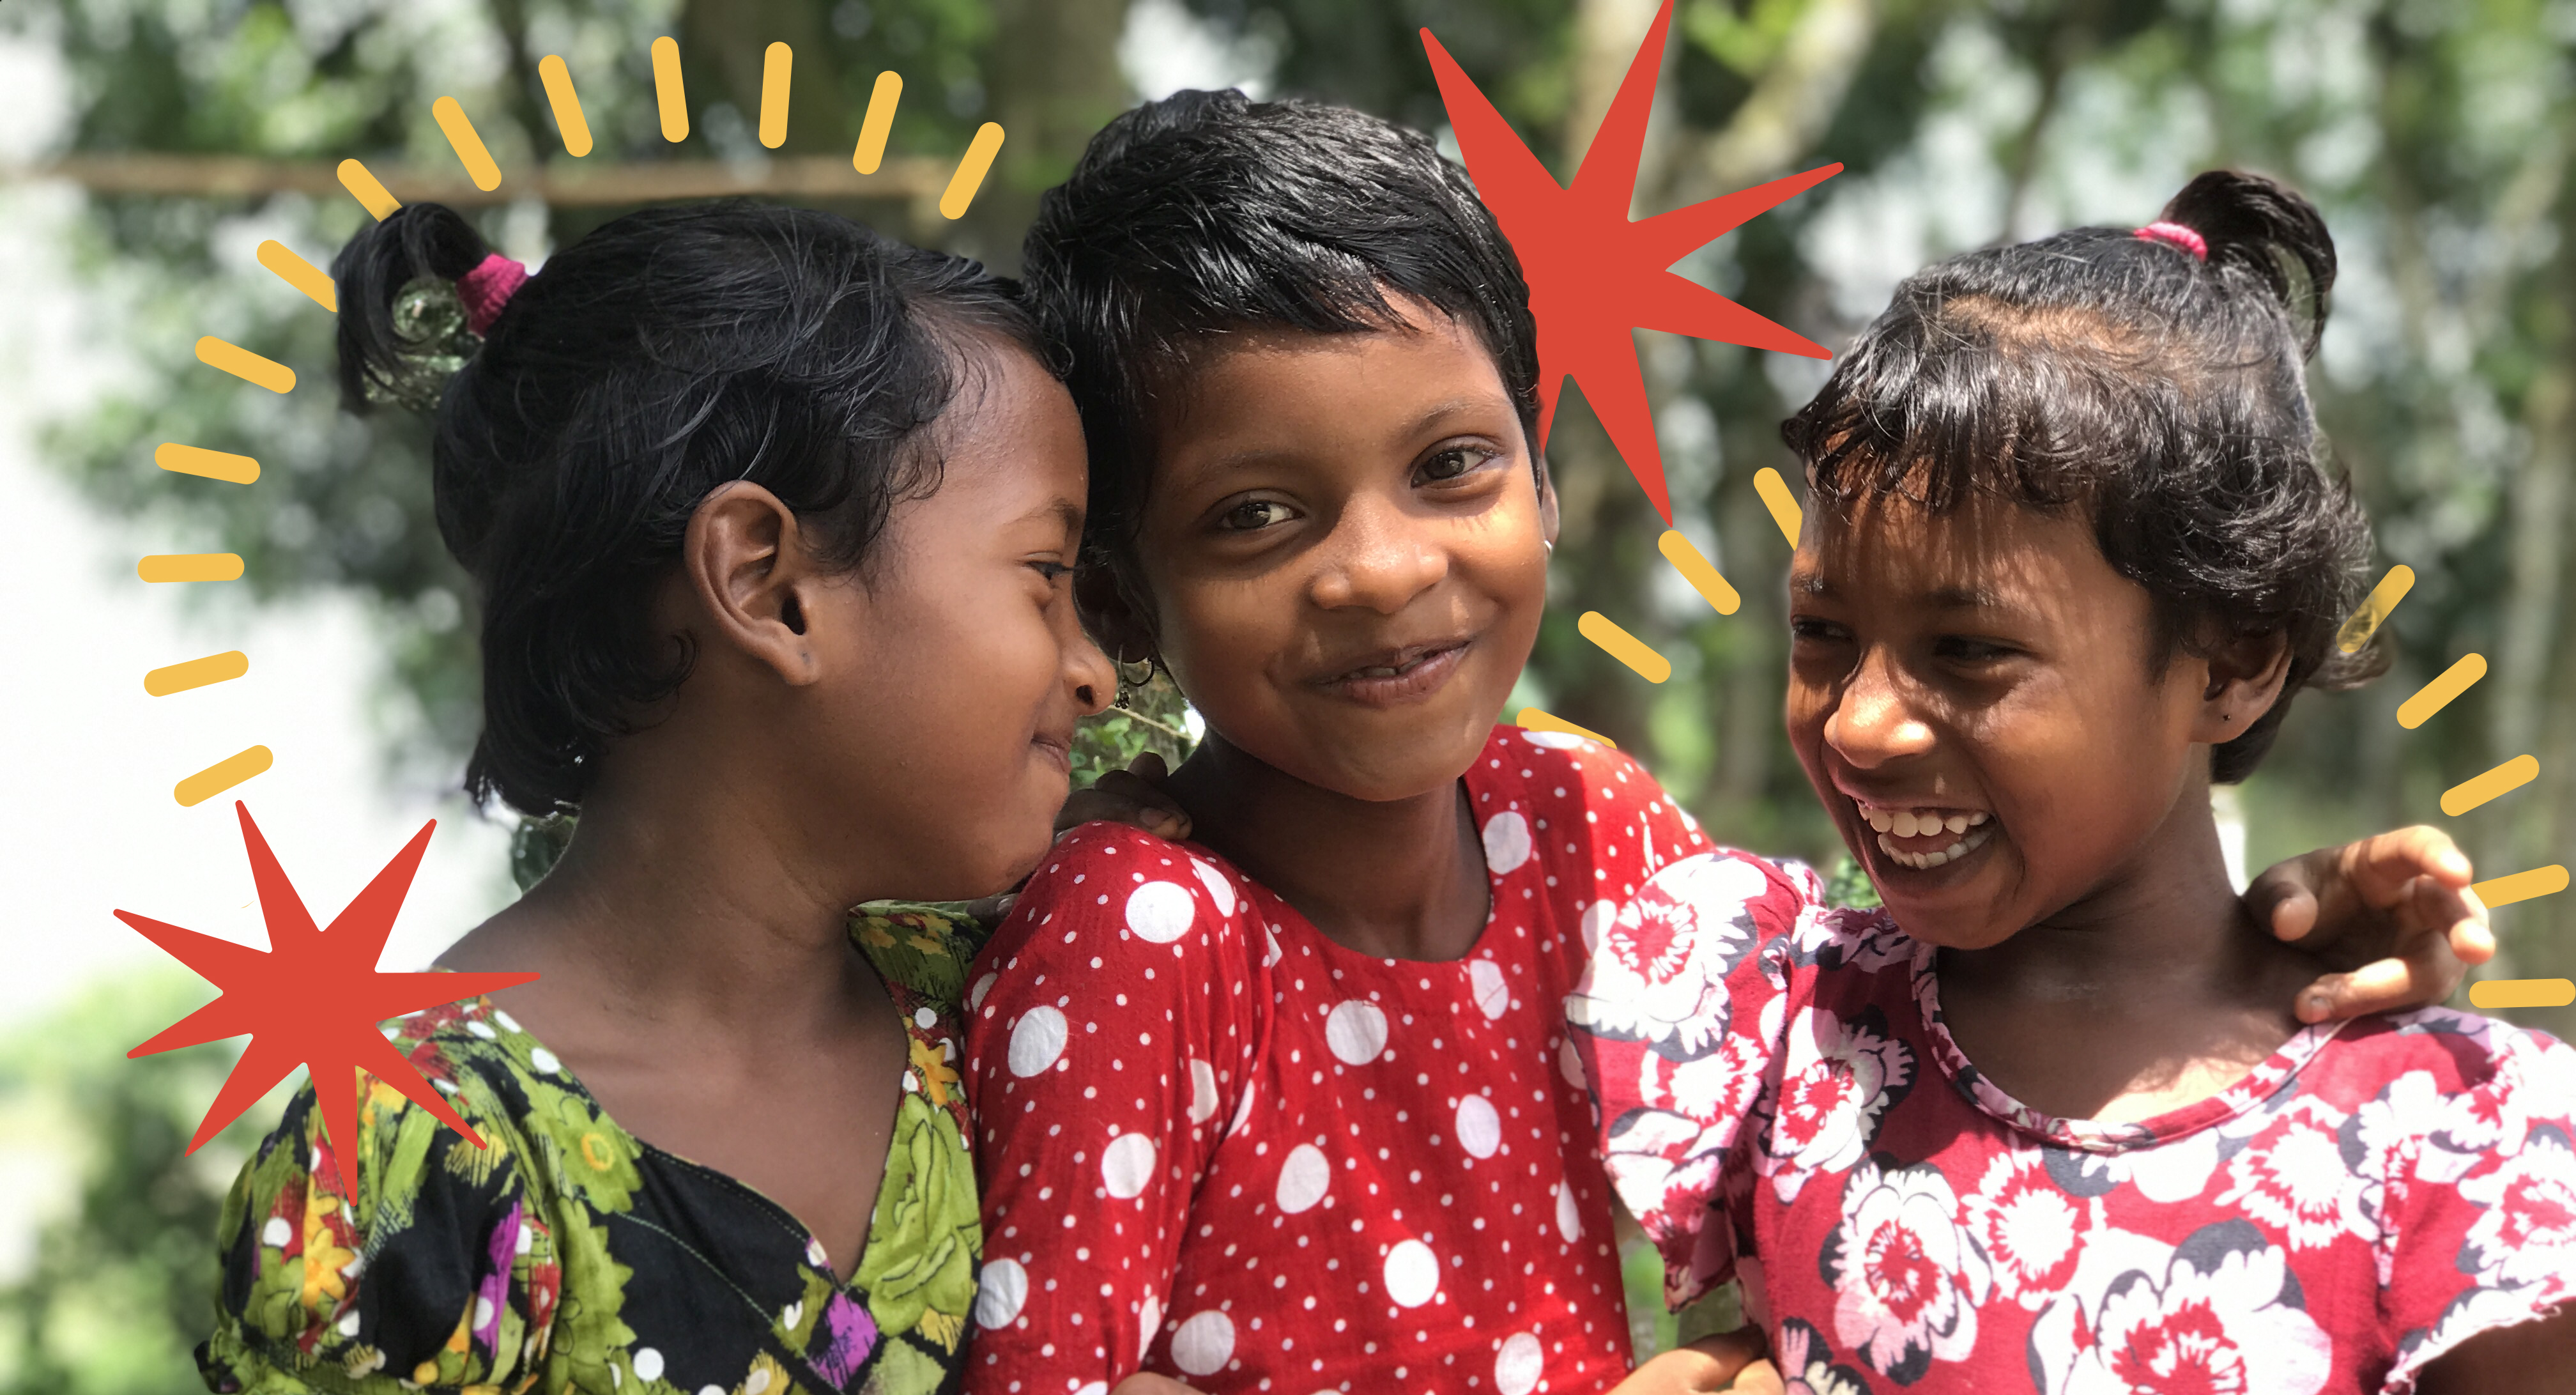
(1781, 1104)
(1219, 1146)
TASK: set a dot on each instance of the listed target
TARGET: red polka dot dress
(1219, 1146)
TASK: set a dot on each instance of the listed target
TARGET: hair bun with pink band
(487, 288)
(2179, 236)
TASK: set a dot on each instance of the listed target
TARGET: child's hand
(1730, 1361)
(1133, 796)
(2395, 910)
(1146, 1383)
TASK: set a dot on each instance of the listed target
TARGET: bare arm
(2530, 1358)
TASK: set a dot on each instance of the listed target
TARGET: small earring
(1548, 545)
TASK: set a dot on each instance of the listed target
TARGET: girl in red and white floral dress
(1287, 1107)
(2042, 1123)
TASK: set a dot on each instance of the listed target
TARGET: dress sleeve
(2485, 1206)
(412, 1260)
(1113, 1037)
(1677, 1021)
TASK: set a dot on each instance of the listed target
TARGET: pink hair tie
(2179, 236)
(487, 288)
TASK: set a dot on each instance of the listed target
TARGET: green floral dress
(570, 1256)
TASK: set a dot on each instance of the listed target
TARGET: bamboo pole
(227, 176)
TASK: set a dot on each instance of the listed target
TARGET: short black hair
(2157, 387)
(667, 353)
(1207, 214)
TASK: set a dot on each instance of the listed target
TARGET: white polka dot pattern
(1219, 1146)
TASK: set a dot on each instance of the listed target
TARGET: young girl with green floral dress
(771, 520)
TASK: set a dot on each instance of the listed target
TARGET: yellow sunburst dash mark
(2436, 695)
(245, 365)
(299, 273)
(879, 123)
(222, 775)
(369, 191)
(2522, 993)
(667, 91)
(2384, 597)
(2504, 779)
(775, 66)
(2522, 886)
(1540, 719)
(567, 104)
(970, 171)
(1777, 498)
(1623, 646)
(196, 673)
(467, 143)
(209, 464)
(190, 566)
(1698, 571)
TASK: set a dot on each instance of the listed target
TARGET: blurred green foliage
(122, 1285)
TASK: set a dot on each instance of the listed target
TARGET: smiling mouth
(1397, 674)
(1058, 749)
(1923, 838)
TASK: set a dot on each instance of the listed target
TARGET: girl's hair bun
(2267, 230)
(403, 334)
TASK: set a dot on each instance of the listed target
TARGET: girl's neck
(679, 914)
(1395, 879)
(2155, 990)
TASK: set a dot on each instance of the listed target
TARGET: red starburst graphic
(1594, 276)
(313, 997)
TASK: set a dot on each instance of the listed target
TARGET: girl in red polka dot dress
(1290, 1106)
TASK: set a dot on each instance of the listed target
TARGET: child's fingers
(2284, 897)
(1147, 1383)
(2424, 975)
(2454, 916)
(1148, 766)
(2380, 867)
(1760, 1378)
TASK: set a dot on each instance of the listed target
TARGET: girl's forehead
(1980, 552)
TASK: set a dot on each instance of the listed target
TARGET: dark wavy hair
(666, 353)
(2162, 392)
(1207, 213)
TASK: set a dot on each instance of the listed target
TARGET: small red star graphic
(313, 997)
(1594, 276)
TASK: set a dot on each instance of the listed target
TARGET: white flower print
(1837, 1081)
(2032, 1228)
(2294, 1177)
(1806, 1364)
(2525, 1232)
(1907, 1278)
(1660, 972)
(2218, 1313)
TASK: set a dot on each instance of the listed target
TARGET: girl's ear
(2245, 678)
(752, 580)
(1111, 615)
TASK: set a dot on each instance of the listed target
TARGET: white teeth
(1880, 819)
(1956, 823)
(1905, 823)
(1977, 817)
(1927, 861)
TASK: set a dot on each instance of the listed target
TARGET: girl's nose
(1377, 559)
(1088, 672)
(1875, 722)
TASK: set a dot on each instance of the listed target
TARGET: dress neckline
(909, 1007)
(2258, 1086)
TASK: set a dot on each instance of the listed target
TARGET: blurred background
(148, 146)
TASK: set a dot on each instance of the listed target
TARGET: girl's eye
(1451, 462)
(1960, 649)
(1813, 631)
(1052, 571)
(1252, 515)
